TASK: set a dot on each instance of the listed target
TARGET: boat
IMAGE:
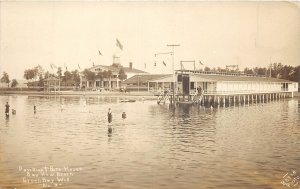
(185, 103)
(127, 100)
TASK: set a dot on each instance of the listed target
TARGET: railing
(218, 73)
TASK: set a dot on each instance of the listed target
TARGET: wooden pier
(223, 99)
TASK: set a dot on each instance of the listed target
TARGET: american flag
(119, 44)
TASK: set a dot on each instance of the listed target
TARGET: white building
(108, 83)
(219, 83)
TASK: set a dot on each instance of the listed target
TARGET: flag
(200, 62)
(53, 66)
(78, 67)
(154, 64)
(292, 72)
(99, 53)
(164, 63)
(93, 64)
(119, 44)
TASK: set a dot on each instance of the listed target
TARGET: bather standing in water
(124, 115)
(109, 116)
(7, 109)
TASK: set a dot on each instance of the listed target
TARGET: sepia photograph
(149, 94)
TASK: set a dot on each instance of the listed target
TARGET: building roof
(237, 78)
(220, 78)
(52, 78)
(117, 68)
(145, 78)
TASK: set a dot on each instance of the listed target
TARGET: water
(250, 146)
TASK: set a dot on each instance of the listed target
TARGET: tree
(221, 69)
(260, 71)
(59, 72)
(38, 70)
(109, 74)
(206, 69)
(5, 79)
(29, 74)
(67, 76)
(248, 71)
(41, 81)
(89, 75)
(122, 75)
(46, 75)
(14, 83)
(75, 77)
(100, 75)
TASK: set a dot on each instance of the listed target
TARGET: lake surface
(251, 146)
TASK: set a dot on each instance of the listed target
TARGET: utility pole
(174, 81)
(270, 67)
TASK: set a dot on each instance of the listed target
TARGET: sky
(69, 34)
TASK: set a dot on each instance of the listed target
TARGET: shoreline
(142, 94)
(81, 93)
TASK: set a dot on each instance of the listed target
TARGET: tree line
(37, 75)
(277, 70)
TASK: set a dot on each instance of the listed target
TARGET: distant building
(21, 84)
(51, 84)
(142, 82)
(108, 83)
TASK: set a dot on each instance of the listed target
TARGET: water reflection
(156, 146)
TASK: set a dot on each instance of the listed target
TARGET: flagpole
(174, 81)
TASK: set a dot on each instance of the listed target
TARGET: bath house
(221, 87)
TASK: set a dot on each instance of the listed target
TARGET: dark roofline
(126, 69)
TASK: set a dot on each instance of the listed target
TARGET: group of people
(109, 114)
(13, 111)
